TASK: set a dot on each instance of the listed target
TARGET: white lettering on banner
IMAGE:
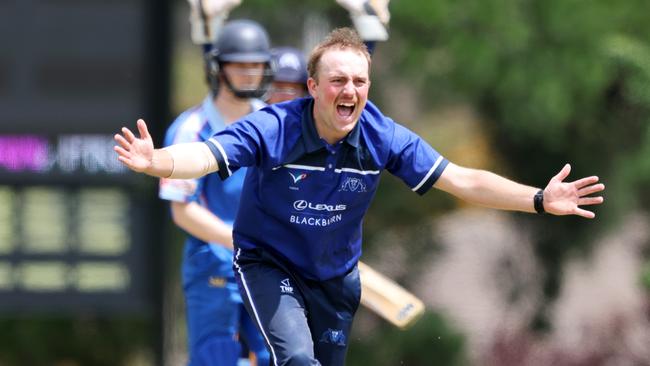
(302, 204)
(315, 221)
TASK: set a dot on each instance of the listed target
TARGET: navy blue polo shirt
(305, 200)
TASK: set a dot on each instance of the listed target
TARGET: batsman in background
(238, 73)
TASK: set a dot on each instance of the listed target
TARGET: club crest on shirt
(353, 185)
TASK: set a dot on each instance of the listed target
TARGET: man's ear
(311, 86)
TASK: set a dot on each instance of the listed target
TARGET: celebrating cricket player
(314, 165)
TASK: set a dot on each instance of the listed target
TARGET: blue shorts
(304, 322)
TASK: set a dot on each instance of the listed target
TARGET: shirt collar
(214, 117)
(353, 137)
(310, 136)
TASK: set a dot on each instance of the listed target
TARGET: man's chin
(346, 126)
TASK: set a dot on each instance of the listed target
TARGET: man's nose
(348, 88)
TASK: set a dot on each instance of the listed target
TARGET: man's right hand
(135, 153)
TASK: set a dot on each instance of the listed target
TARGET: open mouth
(345, 109)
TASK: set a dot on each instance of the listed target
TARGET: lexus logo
(300, 205)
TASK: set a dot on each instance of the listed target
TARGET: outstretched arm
(488, 189)
(190, 160)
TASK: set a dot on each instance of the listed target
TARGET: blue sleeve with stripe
(414, 161)
(245, 143)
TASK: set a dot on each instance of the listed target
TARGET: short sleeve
(248, 142)
(414, 161)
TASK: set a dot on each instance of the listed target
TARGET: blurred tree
(429, 342)
(645, 276)
(560, 81)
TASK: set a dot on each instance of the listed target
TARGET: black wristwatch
(538, 201)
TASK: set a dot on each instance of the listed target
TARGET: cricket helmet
(289, 65)
(240, 41)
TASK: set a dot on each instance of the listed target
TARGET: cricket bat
(388, 299)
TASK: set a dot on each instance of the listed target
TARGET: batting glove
(370, 17)
(207, 18)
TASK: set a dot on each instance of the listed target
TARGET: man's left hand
(565, 198)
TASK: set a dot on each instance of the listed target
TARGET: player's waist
(308, 264)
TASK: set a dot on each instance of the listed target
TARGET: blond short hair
(341, 38)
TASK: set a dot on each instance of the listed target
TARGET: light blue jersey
(215, 314)
(220, 197)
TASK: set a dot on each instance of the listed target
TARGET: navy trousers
(304, 322)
